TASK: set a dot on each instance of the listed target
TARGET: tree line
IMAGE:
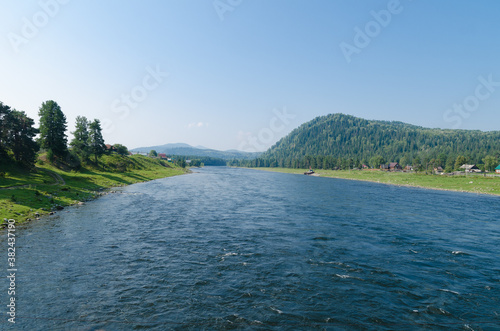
(19, 142)
(339, 141)
(329, 162)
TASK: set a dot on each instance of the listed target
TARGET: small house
(470, 168)
(438, 170)
(408, 168)
(364, 166)
(497, 169)
(162, 156)
(393, 166)
(384, 167)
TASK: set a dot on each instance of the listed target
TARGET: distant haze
(187, 150)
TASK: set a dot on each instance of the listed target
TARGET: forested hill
(345, 136)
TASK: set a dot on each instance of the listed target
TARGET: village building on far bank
(470, 168)
(497, 169)
(393, 166)
(408, 168)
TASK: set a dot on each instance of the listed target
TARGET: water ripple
(240, 249)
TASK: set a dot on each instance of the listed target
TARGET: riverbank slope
(27, 195)
(470, 183)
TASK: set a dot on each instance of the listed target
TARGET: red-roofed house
(110, 148)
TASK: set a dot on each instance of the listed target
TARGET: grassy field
(470, 183)
(25, 195)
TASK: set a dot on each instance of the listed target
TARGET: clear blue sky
(233, 64)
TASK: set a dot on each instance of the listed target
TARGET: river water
(226, 248)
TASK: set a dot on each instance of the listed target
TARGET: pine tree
(21, 138)
(80, 142)
(96, 141)
(17, 136)
(4, 114)
(53, 129)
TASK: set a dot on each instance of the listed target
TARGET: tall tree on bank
(21, 138)
(4, 119)
(17, 137)
(80, 142)
(96, 141)
(53, 129)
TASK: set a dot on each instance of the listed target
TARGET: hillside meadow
(27, 195)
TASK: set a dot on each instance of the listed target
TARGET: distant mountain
(188, 150)
(345, 136)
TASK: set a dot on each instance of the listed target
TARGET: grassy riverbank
(24, 195)
(469, 183)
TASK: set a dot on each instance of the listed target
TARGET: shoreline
(104, 192)
(37, 197)
(355, 175)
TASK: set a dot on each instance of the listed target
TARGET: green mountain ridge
(348, 137)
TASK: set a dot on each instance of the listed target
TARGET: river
(226, 248)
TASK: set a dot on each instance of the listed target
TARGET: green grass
(470, 183)
(24, 194)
